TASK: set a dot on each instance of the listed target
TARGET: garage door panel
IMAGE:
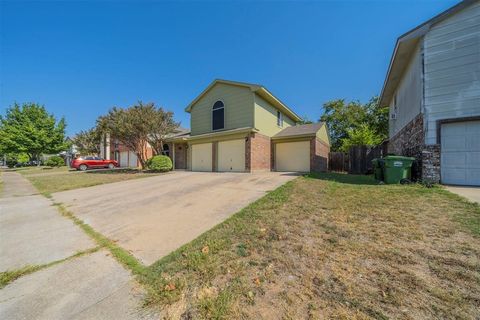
(292, 156)
(132, 160)
(455, 143)
(202, 157)
(460, 153)
(124, 159)
(231, 155)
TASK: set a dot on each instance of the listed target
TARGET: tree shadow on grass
(343, 178)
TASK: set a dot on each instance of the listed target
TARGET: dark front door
(181, 156)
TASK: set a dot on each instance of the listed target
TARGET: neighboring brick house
(242, 127)
(111, 148)
(433, 90)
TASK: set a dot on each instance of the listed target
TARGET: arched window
(218, 115)
(166, 150)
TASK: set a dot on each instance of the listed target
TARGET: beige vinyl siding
(408, 93)
(266, 118)
(322, 135)
(452, 69)
(238, 103)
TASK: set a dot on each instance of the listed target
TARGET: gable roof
(310, 129)
(256, 88)
(405, 46)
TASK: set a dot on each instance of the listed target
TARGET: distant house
(433, 90)
(238, 127)
(243, 127)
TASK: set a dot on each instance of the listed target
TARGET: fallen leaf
(170, 287)
(257, 281)
(205, 249)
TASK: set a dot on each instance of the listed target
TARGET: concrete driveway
(152, 217)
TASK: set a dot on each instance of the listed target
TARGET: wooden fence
(357, 161)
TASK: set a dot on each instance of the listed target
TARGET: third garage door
(292, 156)
(231, 155)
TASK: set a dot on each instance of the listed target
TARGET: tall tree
(30, 129)
(138, 126)
(350, 122)
(88, 141)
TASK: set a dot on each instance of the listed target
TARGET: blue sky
(81, 58)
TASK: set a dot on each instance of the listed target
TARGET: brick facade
(410, 142)
(318, 155)
(258, 153)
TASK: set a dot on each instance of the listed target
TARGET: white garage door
(124, 159)
(202, 157)
(460, 153)
(132, 160)
(292, 156)
(231, 155)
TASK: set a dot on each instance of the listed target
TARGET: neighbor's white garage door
(128, 159)
(231, 155)
(202, 157)
(292, 156)
(460, 153)
(124, 159)
(132, 160)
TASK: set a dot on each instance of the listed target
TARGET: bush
(11, 162)
(55, 161)
(159, 163)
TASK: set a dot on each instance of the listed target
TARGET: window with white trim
(279, 119)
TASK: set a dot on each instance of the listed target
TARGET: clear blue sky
(81, 58)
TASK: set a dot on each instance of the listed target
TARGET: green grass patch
(122, 255)
(9, 276)
(329, 246)
(48, 184)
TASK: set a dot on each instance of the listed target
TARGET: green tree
(88, 141)
(30, 129)
(362, 135)
(354, 120)
(137, 126)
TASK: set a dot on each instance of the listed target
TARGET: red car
(84, 163)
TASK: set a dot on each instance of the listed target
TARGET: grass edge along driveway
(329, 245)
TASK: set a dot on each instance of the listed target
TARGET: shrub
(11, 162)
(55, 161)
(159, 163)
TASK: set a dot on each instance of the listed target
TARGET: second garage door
(231, 155)
(460, 153)
(202, 157)
(292, 156)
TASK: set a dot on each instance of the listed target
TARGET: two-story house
(243, 127)
(433, 90)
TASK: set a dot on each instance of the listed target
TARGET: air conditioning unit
(393, 116)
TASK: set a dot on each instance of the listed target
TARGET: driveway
(152, 217)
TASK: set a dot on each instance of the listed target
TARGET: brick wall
(431, 163)
(318, 155)
(410, 142)
(258, 153)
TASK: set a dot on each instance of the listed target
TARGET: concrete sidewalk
(32, 231)
(471, 193)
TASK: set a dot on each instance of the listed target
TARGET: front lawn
(41, 170)
(330, 246)
(50, 183)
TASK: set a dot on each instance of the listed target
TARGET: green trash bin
(378, 169)
(397, 169)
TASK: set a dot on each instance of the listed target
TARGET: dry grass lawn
(330, 246)
(50, 183)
